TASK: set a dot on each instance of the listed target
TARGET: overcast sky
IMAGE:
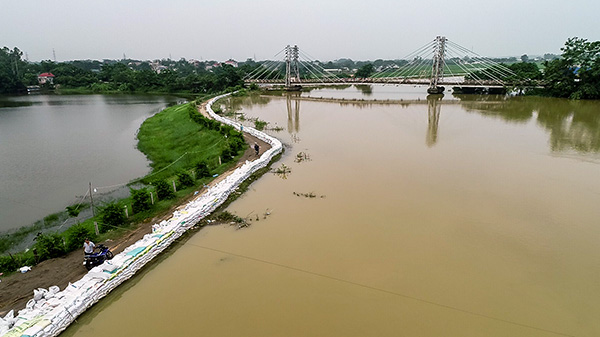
(324, 29)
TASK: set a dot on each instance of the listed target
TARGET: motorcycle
(100, 254)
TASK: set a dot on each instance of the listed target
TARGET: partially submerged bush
(226, 216)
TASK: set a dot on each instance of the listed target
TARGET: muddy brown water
(469, 216)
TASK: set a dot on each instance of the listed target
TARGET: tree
(578, 51)
(559, 79)
(163, 190)
(524, 58)
(227, 154)
(12, 69)
(140, 200)
(525, 70)
(75, 236)
(185, 179)
(202, 170)
(577, 73)
(365, 71)
(113, 215)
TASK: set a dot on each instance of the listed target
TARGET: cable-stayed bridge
(438, 63)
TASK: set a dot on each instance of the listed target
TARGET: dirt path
(17, 289)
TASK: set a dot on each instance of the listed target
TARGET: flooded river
(52, 146)
(461, 216)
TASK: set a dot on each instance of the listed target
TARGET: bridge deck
(386, 80)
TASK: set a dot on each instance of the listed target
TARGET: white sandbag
(9, 319)
(37, 295)
(53, 290)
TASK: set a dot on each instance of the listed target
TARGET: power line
(414, 298)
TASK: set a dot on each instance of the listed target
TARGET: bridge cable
(267, 68)
(489, 61)
(410, 58)
(418, 52)
(468, 72)
(317, 70)
(316, 66)
(262, 64)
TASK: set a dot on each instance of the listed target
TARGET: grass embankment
(175, 140)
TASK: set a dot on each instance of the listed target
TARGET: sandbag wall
(51, 311)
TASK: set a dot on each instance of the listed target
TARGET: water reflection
(366, 89)
(509, 109)
(293, 114)
(572, 125)
(433, 113)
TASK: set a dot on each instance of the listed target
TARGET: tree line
(119, 76)
(574, 74)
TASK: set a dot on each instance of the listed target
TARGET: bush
(112, 215)
(76, 235)
(8, 264)
(202, 170)
(140, 200)
(50, 219)
(185, 179)
(49, 246)
(236, 142)
(73, 210)
(260, 125)
(163, 190)
(227, 154)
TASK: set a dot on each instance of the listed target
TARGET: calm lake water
(51, 147)
(465, 216)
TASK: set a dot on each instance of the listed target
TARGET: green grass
(173, 142)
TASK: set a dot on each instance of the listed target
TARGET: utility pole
(93, 212)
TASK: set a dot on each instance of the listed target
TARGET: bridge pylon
(437, 68)
(292, 69)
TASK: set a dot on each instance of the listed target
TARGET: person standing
(88, 247)
(256, 148)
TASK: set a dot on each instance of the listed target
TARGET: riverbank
(16, 289)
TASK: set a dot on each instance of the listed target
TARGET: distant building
(214, 65)
(157, 67)
(232, 63)
(195, 63)
(46, 78)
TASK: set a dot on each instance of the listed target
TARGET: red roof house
(46, 78)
